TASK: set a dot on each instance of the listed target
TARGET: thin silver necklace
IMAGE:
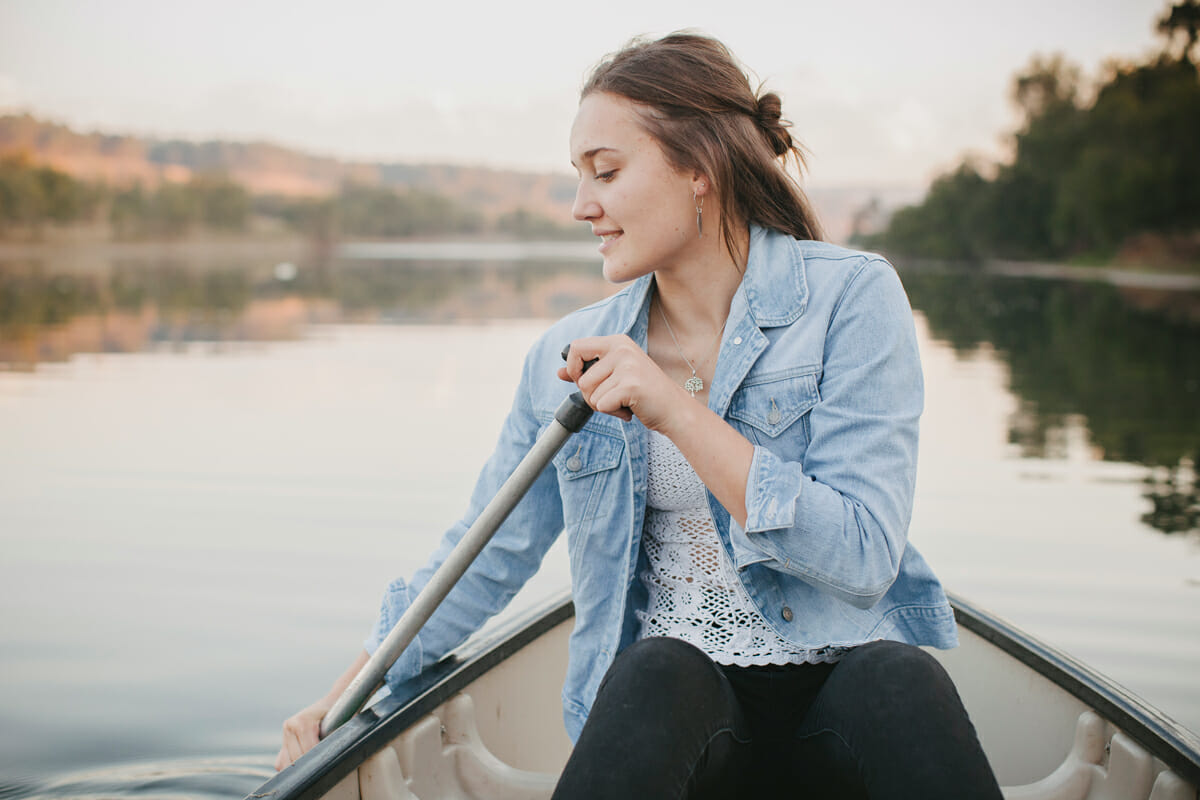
(693, 384)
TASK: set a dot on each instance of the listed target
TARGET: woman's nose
(585, 207)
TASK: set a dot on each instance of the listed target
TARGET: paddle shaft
(571, 415)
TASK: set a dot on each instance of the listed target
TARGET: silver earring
(699, 201)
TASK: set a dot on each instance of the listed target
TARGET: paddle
(570, 417)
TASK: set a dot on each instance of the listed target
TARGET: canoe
(486, 722)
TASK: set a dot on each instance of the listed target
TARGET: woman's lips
(607, 240)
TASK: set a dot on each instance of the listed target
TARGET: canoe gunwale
(1161, 736)
(369, 731)
(372, 729)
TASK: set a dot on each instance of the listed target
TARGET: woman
(746, 603)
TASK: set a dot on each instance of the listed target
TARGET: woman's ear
(700, 185)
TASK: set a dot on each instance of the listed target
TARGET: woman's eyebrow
(590, 154)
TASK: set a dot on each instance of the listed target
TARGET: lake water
(209, 471)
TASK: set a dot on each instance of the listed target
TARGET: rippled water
(159, 780)
(207, 476)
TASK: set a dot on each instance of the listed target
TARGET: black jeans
(884, 722)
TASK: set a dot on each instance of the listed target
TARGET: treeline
(1090, 177)
(33, 198)
(372, 212)
(208, 202)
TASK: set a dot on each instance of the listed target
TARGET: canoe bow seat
(1130, 771)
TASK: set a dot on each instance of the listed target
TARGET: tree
(1048, 85)
(22, 198)
(949, 224)
(32, 196)
(127, 212)
(224, 205)
(1181, 23)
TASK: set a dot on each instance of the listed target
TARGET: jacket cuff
(772, 491)
(396, 600)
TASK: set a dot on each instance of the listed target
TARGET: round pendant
(693, 385)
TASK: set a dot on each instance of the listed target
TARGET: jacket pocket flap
(587, 453)
(771, 403)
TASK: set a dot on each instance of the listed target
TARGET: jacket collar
(774, 286)
(635, 313)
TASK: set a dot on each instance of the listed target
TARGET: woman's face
(634, 200)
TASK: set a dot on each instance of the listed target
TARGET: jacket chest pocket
(772, 405)
(584, 466)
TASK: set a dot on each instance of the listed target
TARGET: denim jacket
(819, 370)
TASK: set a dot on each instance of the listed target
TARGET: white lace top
(695, 594)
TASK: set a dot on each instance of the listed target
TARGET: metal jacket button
(786, 614)
(574, 464)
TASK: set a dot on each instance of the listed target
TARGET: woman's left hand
(624, 380)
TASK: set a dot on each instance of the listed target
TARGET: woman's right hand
(624, 380)
(302, 730)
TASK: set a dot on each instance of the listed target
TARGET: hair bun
(774, 127)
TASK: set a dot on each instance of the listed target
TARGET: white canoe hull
(488, 724)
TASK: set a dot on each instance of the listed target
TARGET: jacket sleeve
(839, 520)
(506, 563)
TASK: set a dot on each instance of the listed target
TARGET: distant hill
(270, 169)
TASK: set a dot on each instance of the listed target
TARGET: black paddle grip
(574, 412)
(566, 351)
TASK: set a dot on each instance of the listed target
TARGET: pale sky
(881, 93)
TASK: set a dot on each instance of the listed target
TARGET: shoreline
(1132, 277)
(284, 249)
(1117, 276)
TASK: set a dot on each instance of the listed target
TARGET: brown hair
(697, 103)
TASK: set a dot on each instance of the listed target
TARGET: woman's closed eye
(606, 176)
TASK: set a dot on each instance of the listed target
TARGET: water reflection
(1120, 364)
(48, 315)
(1116, 368)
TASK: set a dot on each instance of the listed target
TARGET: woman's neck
(696, 295)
